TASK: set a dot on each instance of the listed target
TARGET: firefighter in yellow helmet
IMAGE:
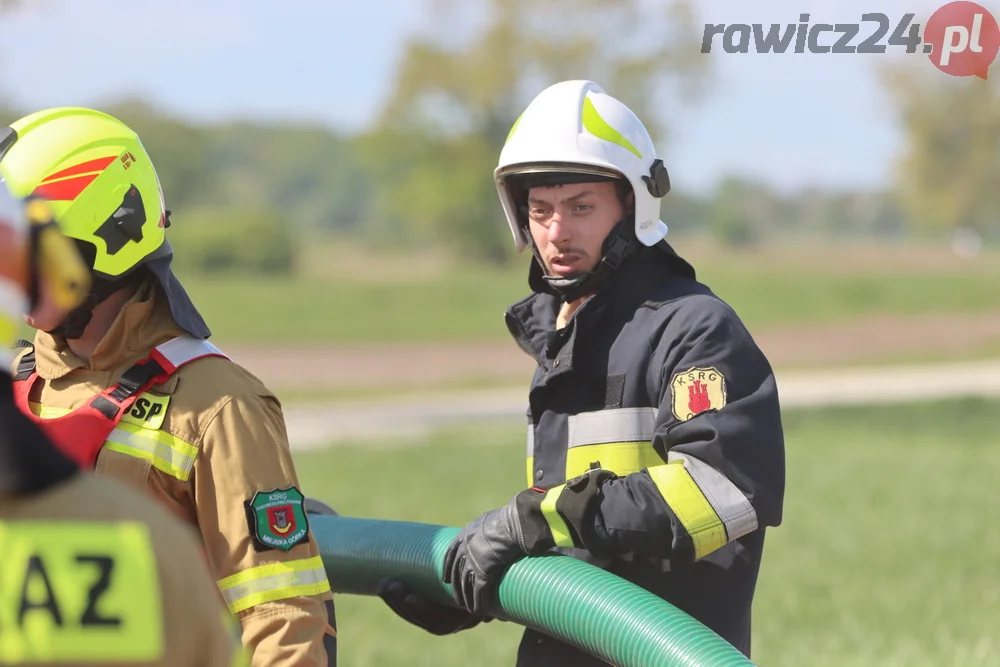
(93, 572)
(129, 385)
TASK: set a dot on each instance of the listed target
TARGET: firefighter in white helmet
(655, 445)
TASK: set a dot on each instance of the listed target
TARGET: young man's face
(570, 222)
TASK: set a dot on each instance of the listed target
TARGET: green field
(887, 555)
(767, 289)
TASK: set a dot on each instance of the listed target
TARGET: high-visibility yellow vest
(78, 592)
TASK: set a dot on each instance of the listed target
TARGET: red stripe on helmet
(100, 164)
(67, 190)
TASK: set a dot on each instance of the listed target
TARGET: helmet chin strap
(620, 244)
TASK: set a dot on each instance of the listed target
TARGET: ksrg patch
(696, 390)
(277, 519)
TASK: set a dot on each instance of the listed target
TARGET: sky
(790, 120)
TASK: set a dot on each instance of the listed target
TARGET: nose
(558, 231)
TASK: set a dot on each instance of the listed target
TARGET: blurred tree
(947, 176)
(684, 213)
(308, 174)
(732, 216)
(453, 104)
(254, 242)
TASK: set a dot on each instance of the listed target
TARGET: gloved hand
(534, 521)
(436, 619)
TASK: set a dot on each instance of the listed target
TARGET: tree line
(245, 195)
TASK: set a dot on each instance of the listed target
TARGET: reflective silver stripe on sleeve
(733, 508)
(615, 425)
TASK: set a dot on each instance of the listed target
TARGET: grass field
(887, 555)
(770, 288)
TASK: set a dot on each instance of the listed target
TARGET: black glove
(534, 521)
(436, 619)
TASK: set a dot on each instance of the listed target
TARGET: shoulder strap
(26, 364)
(183, 350)
(161, 363)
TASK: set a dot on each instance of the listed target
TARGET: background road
(321, 424)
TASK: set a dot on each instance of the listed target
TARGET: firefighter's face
(570, 222)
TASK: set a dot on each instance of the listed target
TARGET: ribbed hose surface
(566, 598)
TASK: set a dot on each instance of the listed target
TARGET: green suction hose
(578, 603)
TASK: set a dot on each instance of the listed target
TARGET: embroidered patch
(277, 519)
(148, 411)
(696, 390)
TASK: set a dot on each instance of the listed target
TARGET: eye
(583, 208)
(538, 212)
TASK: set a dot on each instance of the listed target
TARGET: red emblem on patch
(698, 399)
(281, 519)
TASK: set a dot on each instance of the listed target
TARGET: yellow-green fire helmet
(102, 186)
(98, 178)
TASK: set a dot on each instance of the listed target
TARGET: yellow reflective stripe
(275, 581)
(558, 527)
(165, 451)
(734, 508)
(47, 411)
(691, 507)
(513, 128)
(597, 126)
(79, 592)
(11, 301)
(619, 438)
(531, 452)
(622, 458)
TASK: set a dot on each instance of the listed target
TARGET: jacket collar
(143, 323)
(532, 320)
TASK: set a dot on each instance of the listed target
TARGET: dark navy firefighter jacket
(657, 379)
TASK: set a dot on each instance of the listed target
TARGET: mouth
(565, 264)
